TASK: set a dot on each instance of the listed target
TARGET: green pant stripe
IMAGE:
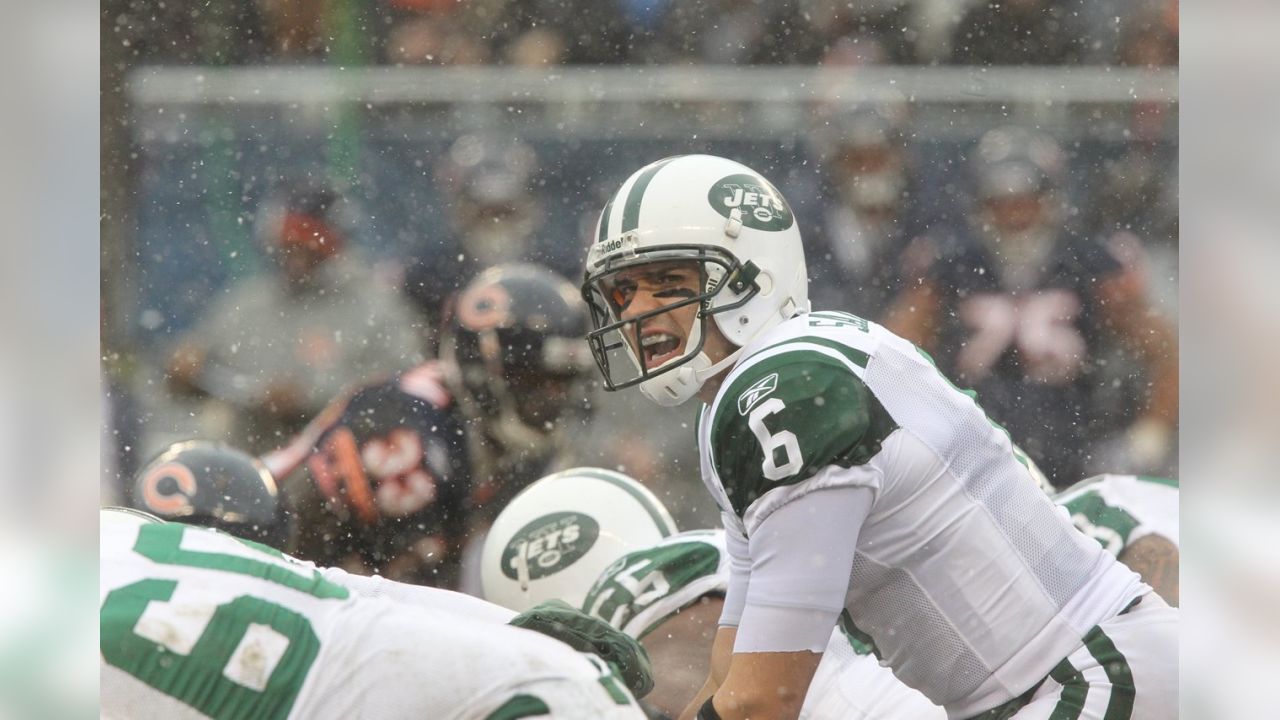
(1074, 691)
(1120, 705)
(520, 706)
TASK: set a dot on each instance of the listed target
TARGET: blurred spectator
(538, 47)
(280, 344)
(1025, 313)
(1150, 37)
(543, 32)
(295, 28)
(866, 230)
(732, 32)
(433, 40)
(1134, 208)
(217, 33)
(886, 24)
(1019, 32)
(494, 214)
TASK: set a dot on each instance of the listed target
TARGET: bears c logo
(167, 489)
(484, 308)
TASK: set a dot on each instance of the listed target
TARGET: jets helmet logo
(760, 204)
(757, 392)
(549, 544)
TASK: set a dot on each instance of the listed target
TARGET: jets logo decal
(757, 392)
(760, 205)
(548, 545)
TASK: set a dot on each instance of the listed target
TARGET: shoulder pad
(791, 414)
(642, 588)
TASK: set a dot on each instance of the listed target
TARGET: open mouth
(658, 348)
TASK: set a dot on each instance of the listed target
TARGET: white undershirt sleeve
(735, 596)
(801, 560)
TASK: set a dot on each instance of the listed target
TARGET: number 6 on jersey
(772, 442)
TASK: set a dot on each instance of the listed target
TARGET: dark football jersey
(1032, 356)
(380, 481)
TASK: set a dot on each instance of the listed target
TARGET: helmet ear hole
(765, 281)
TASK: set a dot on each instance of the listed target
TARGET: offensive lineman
(1135, 518)
(197, 623)
(852, 476)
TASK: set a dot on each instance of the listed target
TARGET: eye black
(675, 292)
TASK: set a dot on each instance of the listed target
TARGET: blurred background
(922, 143)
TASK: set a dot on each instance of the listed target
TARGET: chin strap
(705, 374)
(677, 386)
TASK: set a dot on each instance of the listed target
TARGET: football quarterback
(853, 477)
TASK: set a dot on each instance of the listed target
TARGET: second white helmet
(555, 537)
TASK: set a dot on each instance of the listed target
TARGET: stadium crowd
(553, 32)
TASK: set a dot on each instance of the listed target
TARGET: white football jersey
(1116, 510)
(195, 623)
(642, 589)
(971, 583)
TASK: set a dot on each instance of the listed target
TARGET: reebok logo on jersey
(757, 392)
(548, 545)
(761, 204)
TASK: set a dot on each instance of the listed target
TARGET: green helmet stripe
(662, 523)
(604, 221)
(631, 210)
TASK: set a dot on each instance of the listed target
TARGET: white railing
(653, 101)
(318, 85)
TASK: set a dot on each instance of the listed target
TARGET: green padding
(520, 706)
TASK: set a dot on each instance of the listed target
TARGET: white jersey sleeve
(799, 579)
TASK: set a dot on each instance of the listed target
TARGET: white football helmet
(732, 222)
(114, 515)
(555, 538)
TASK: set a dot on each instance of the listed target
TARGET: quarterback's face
(636, 291)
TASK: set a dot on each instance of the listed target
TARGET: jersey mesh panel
(892, 612)
(917, 396)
